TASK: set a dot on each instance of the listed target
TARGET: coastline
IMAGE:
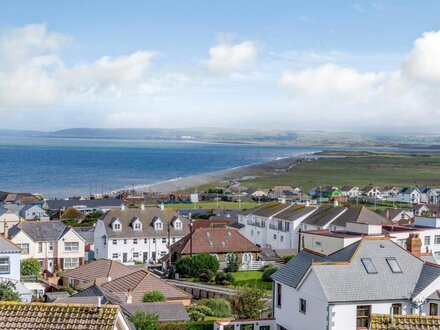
(272, 167)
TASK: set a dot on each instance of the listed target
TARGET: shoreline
(271, 167)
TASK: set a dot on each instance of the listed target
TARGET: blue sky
(336, 65)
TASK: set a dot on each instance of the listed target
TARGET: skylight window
(369, 266)
(395, 268)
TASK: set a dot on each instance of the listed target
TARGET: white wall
(14, 266)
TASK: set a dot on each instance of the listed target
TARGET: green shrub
(206, 276)
(198, 312)
(145, 321)
(230, 278)
(8, 291)
(203, 263)
(248, 302)
(183, 267)
(68, 289)
(288, 258)
(267, 273)
(30, 267)
(153, 296)
(219, 307)
(231, 263)
(224, 278)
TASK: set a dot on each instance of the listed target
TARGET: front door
(145, 257)
(124, 257)
(153, 255)
(50, 267)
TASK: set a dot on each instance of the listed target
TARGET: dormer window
(177, 224)
(136, 224)
(158, 225)
(116, 226)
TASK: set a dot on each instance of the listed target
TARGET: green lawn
(379, 170)
(251, 277)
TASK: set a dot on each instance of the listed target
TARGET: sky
(367, 66)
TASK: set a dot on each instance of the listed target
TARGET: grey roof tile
(40, 231)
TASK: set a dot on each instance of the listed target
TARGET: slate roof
(168, 312)
(141, 281)
(323, 215)
(40, 231)
(359, 214)
(270, 209)
(98, 269)
(343, 277)
(346, 188)
(147, 217)
(294, 212)
(22, 316)
(6, 246)
(55, 204)
(87, 233)
(214, 240)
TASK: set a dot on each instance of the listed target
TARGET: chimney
(414, 244)
(129, 297)
(6, 230)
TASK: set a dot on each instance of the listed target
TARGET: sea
(64, 167)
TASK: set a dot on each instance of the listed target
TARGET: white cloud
(226, 58)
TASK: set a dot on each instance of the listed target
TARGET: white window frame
(437, 239)
(70, 263)
(51, 246)
(24, 250)
(70, 246)
(115, 256)
(5, 265)
(40, 247)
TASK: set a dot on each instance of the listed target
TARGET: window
(145, 241)
(178, 224)
(302, 305)
(24, 248)
(4, 265)
(427, 240)
(158, 225)
(363, 316)
(135, 254)
(104, 240)
(51, 246)
(71, 262)
(174, 240)
(71, 246)
(433, 309)
(164, 239)
(125, 241)
(137, 225)
(369, 266)
(162, 253)
(265, 327)
(397, 309)
(115, 255)
(135, 241)
(279, 294)
(286, 228)
(274, 236)
(437, 239)
(40, 247)
(117, 226)
(281, 238)
(154, 241)
(392, 262)
(115, 242)
(252, 232)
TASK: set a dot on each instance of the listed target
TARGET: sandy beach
(254, 170)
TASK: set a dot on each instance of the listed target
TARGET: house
(433, 196)
(54, 244)
(98, 271)
(22, 316)
(371, 191)
(19, 198)
(395, 215)
(88, 235)
(7, 217)
(424, 198)
(426, 209)
(85, 206)
(219, 242)
(350, 191)
(33, 212)
(409, 196)
(9, 260)
(138, 234)
(344, 290)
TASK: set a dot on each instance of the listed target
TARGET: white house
(433, 196)
(350, 191)
(343, 290)
(33, 212)
(7, 217)
(371, 191)
(9, 260)
(54, 244)
(138, 234)
(409, 196)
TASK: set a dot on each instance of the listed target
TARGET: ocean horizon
(64, 167)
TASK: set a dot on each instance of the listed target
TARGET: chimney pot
(414, 244)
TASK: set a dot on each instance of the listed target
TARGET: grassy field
(251, 277)
(213, 205)
(379, 170)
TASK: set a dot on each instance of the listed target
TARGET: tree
(145, 321)
(268, 272)
(204, 262)
(248, 302)
(153, 296)
(231, 263)
(30, 267)
(183, 266)
(8, 291)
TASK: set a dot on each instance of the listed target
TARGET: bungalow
(409, 196)
(220, 242)
(54, 244)
(371, 191)
(426, 209)
(17, 315)
(397, 215)
(350, 191)
(347, 288)
(433, 196)
(33, 212)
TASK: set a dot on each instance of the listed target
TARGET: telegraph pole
(191, 242)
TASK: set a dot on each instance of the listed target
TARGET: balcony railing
(275, 227)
